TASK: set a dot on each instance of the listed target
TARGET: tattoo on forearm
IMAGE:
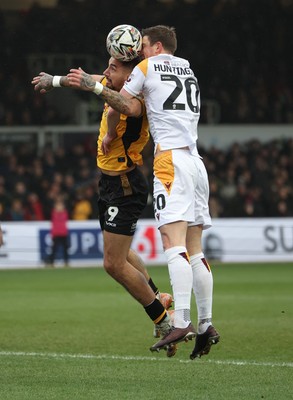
(87, 81)
(115, 100)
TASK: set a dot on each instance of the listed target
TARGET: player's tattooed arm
(87, 81)
(130, 106)
(79, 79)
(44, 82)
(123, 102)
(116, 101)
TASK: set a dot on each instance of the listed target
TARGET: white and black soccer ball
(124, 42)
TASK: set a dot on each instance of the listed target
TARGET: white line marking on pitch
(138, 358)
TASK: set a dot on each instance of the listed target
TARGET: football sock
(153, 286)
(156, 311)
(181, 281)
(203, 290)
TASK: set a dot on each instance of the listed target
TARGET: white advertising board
(27, 244)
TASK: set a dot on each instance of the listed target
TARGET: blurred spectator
(5, 200)
(20, 190)
(59, 231)
(82, 209)
(17, 211)
(34, 208)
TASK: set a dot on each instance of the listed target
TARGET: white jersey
(172, 99)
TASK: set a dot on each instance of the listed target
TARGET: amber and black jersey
(126, 148)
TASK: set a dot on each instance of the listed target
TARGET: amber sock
(156, 311)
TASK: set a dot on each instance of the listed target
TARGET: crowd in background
(32, 180)
(240, 51)
(252, 179)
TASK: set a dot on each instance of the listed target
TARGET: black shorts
(121, 202)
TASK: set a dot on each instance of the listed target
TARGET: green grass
(76, 334)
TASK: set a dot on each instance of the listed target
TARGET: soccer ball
(124, 42)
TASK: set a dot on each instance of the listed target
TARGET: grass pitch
(76, 334)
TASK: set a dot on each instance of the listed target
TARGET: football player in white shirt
(181, 190)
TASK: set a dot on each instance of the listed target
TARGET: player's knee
(109, 266)
(113, 266)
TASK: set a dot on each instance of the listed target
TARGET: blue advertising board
(84, 243)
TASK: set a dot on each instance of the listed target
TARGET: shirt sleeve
(135, 82)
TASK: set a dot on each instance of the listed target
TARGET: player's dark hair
(131, 64)
(164, 34)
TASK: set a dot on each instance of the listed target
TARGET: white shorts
(181, 189)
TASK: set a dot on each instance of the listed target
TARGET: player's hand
(81, 80)
(43, 82)
(106, 143)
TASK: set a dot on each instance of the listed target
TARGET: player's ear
(158, 47)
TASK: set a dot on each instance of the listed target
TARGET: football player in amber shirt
(123, 193)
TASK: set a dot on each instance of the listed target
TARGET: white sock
(181, 281)
(203, 290)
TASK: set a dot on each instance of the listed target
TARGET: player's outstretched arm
(123, 102)
(79, 79)
(45, 82)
